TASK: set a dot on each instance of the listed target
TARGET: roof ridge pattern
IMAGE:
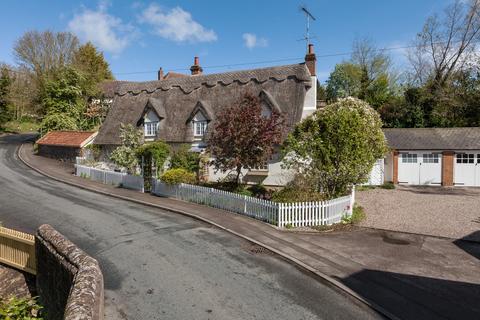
(191, 83)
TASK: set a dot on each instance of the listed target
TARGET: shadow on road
(468, 245)
(416, 297)
(19, 138)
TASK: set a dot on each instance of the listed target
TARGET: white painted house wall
(310, 103)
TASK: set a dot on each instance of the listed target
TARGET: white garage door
(467, 169)
(419, 168)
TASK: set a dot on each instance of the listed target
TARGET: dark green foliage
(5, 83)
(300, 189)
(183, 158)
(91, 63)
(176, 176)
(152, 155)
(20, 308)
(63, 102)
(336, 147)
(388, 186)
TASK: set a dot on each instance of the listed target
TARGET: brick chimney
(196, 69)
(160, 75)
(311, 60)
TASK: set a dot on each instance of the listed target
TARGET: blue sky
(138, 37)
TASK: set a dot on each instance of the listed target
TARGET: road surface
(161, 265)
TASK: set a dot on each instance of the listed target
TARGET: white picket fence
(296, 214)
(110, 177)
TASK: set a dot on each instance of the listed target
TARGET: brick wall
(447, 168)
(59, 152)
(69, 282)
(395, 167)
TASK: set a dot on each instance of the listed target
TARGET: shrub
(183, 158)
(336, 146)
(125, 155)
(388, 185)
(298, 190)
(57, 121)
(176, 176)
(23, 308)
(358, 214)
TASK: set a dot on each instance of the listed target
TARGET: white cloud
(251, 41)
(176, 24)
(106, 31)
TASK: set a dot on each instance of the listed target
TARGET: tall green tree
(92, 64)
(5, 83)
(64, 103)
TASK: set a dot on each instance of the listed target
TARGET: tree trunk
(239, 172)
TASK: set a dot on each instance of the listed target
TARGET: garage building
(65, 145)
(433, 156)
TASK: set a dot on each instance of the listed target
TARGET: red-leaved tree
(244, 138)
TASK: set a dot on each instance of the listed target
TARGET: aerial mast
(308, 16)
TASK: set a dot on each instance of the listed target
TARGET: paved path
(446, 212)
(410, 276)
(161, 265)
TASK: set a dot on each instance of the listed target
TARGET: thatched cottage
(179, 108)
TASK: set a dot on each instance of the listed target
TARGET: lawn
(16, 126)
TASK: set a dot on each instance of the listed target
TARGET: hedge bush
(176, 176)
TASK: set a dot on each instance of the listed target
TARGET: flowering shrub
(336, 146)
(176, 176)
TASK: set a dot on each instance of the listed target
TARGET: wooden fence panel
(17, 249)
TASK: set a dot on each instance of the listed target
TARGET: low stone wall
(69, 282)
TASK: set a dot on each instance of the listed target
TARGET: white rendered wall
(310, 103)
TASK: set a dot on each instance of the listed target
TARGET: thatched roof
(283, 88)
(109, 87)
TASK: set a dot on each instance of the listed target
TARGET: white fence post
(352, 201)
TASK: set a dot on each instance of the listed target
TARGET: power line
(258, 62)
(271, 61)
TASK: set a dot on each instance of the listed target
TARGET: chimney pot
(311, 60)
(160, 74)
(196, 69)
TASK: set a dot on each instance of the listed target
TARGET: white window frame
(430, 158)
(465, 158)
(409, 157)
(151, 129)
(200, 128)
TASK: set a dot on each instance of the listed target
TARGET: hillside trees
(57, 79)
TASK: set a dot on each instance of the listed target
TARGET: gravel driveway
(446, 212)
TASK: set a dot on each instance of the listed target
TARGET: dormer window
(151, 129)
(151, 124)
(200, 124)
(200, 127)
